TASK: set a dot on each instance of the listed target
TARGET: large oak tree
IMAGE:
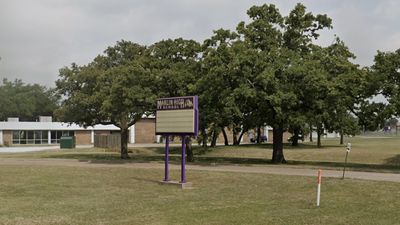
(115, 88)
(280, 41)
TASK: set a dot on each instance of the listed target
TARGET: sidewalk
(19, 149)
(27, 149)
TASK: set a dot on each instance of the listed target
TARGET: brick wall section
(83, 137)
(270, 135)
(145, 131)
(7, 137)
(286, 135)
(220, 138)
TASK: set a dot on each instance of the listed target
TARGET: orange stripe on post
(319, 176)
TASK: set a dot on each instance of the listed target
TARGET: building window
(38, 137)
(15, 137)
(29, 137)
(57, 134)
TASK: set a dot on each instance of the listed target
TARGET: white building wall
(132, 134)
(1, 137)
(49, 137)
(158, 138)
(92, 136)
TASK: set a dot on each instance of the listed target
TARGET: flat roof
(51, 126)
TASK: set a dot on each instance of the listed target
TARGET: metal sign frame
(167, 107)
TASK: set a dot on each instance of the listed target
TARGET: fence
(111, 141)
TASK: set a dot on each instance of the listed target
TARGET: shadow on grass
(395, 160)
(114, 158)
(263, 146)
(353, 166)
(392, 164)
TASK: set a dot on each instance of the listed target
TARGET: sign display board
(178, 115)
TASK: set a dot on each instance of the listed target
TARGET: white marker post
(348, 148)
(319, 186)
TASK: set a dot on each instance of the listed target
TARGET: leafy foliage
(387, 75)
(266, 72)
(26, 101)
(115, 89)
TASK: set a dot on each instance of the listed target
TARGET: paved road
(265, 169)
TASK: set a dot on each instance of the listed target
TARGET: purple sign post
(177, 116)
(166, 177)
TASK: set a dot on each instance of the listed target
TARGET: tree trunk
(226, 142)
(235, 140)
(189, 151)
(204, 135)
(311, 131)
(240, 137)
(341, 137)
(277, 145)
(124, 143)
(295, 137)
(258, 135)
(319, 131)
(214, 139)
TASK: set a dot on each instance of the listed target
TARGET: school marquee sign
(177, 115)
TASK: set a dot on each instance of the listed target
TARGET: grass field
(73, 195)
(368, 154)
(45, 194)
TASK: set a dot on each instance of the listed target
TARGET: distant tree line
(26, 101)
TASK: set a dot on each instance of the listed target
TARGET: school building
(46, 132)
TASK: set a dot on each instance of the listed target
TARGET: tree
(216, 85)
(227, 92)
(280, 41)
(26, 101)
(175, 64)
(115, 89)
(386, 70)
(343, 90)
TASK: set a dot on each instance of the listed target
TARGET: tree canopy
(268, 71)
(387, 75)
(26, 101)
(116, 88)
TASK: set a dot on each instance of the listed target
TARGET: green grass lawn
(368, 154)
(80, 195)
(118, 195)
(364, 150)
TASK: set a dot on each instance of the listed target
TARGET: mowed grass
(364, 150)
(368, 154)
(81, 195)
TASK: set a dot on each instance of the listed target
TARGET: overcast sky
(38, 37)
